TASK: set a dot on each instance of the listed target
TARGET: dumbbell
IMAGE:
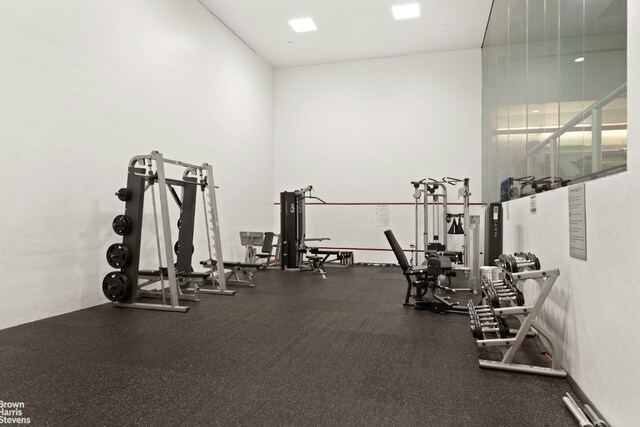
(528, 261)
(484, 320)
(518, 262)
(497, 292)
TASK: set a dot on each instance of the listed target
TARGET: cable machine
(432, 194)
(122, 286)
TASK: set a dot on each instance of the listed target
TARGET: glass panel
(554, 91)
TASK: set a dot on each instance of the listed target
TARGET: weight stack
(493, 238)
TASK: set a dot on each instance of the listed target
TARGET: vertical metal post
(596, 140)
(166, 226)
(443, 223)
(215, 226)
(553, 157)
(417, 248)
(425, 215)
(467, 223)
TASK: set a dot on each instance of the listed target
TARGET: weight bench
(319, 256)
(234, 268)
(183, 278)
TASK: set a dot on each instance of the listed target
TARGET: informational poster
(577, 222)
(382, 216)
(533, 207)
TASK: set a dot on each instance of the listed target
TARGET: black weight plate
(115, 286)
(176, 248)
(123, 194)
(519, 298)
(121, 225)
(536, 262)
(118, 255)
(503, 328)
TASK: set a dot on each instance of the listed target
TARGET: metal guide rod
(206, 224)
(467, 222)
(166, 226)
(215, 223)
(155, 222)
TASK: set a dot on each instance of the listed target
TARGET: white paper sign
(577, 222)
(382, 216)
(533, 208)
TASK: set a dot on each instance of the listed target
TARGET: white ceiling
(351, 29)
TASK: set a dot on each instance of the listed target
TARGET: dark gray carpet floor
(295, 350)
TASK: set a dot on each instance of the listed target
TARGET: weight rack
(489, 325)
(122, 286)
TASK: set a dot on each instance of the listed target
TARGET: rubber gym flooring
(295, 350)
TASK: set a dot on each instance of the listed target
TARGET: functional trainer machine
(293, 239)
(433, 193)
(503, 299)
(177, 280)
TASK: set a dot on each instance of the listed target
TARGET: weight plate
(503, 328)
(121, 225)
(512, 264)
(176, 248)
(118, 255)
(501, 261)
(536, 262)
(115, 286)
(123, 194)
(519, 298)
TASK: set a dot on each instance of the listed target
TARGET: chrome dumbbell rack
(489, 326)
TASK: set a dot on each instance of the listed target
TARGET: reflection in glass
(554, 91)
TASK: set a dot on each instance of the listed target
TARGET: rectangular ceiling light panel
(406, 11)
(303, 25)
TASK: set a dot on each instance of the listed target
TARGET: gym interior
(382, 212)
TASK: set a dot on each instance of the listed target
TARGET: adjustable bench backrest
(398, 252)
(267, 243)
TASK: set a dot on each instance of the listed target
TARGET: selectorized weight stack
(293, 238)
(123, 287)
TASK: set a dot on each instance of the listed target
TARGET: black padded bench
(236, 267)
(165, 273)
(319, 256)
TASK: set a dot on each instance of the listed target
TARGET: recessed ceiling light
(405, 11)
(580, 59)
(535, 111)
(303, 25)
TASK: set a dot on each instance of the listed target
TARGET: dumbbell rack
(489, 326)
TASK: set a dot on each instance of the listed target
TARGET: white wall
(362, 131)
(594, 306)
(86, 85)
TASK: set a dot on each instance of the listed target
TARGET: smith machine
(293, 239)
(177, 280)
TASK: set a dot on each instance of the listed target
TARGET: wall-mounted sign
(382, 216)
(533, 208)
(577, 222)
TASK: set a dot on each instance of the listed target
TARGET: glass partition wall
(554, 94)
